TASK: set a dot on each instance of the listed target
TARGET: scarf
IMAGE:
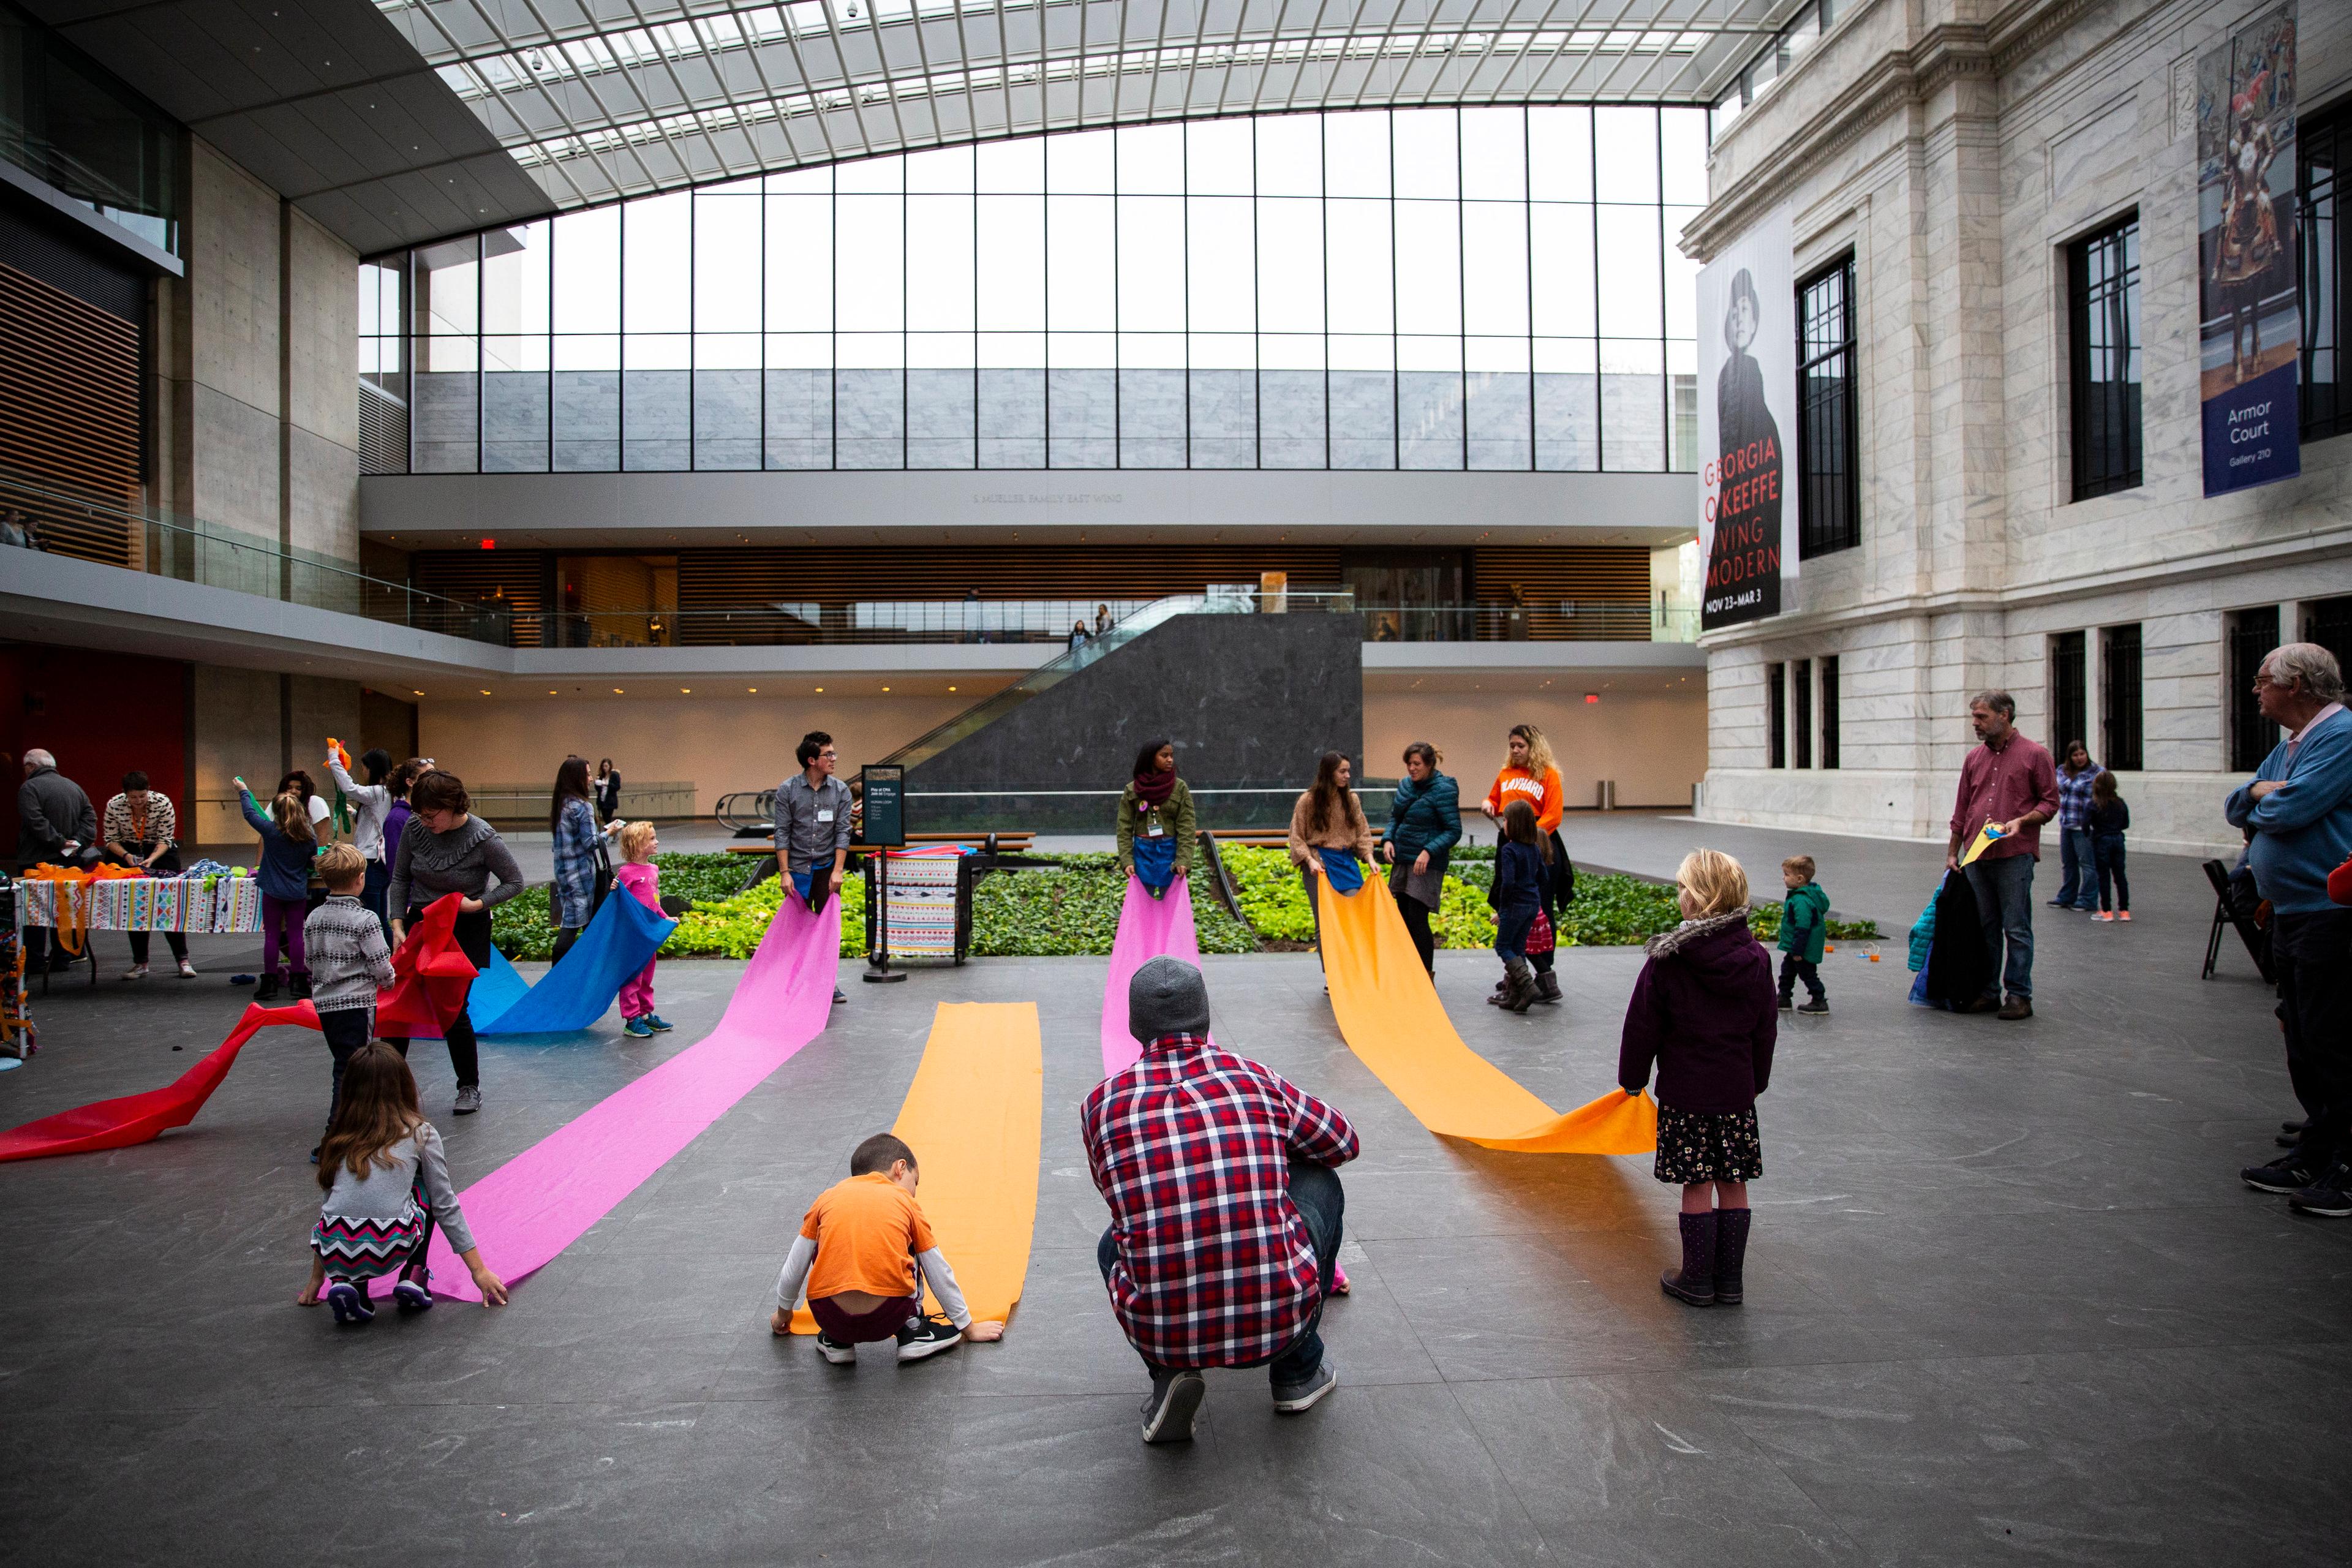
(1154, 788)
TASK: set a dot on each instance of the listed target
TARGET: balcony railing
(61, 523)
(194, 551)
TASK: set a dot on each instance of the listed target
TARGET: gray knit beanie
(1166, 996)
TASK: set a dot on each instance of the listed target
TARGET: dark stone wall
(1250, 701)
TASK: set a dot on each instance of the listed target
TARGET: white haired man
(2298, 809)
(55, 824)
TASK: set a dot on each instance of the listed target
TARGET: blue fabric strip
(1346, 872)
(1155, 862)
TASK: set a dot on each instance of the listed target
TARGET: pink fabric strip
(538, 1202)
(1148, 929)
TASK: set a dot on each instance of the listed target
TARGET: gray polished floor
(2006, 1301)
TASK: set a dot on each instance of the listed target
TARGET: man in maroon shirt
(2010, 782)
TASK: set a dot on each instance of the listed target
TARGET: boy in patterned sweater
(349, 961)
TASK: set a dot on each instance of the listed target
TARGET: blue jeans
(2079, 886)
(1322, 1203)
(2004, 890)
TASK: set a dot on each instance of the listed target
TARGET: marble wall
(1954, 159)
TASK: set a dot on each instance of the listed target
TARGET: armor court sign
(1748, 494)
(2249, 301)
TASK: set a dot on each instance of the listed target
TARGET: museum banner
(1748, 491)
(2249, 303)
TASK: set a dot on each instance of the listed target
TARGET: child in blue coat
(1521, 876)
(288, 847)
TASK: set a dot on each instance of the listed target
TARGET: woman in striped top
(141, 829)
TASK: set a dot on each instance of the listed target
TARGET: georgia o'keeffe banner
(1746, 421)
(2248, 317)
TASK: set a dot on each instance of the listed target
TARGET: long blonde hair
(1540, 758)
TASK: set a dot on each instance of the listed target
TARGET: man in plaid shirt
(1226, 1211)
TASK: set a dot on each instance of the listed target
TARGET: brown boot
(1522, 992)
(1546, 986)
(1694, 1283)
(2016, 1007)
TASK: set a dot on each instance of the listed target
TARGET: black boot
(267, 990)
(298, 984)
(1694, 1283)
(1546, 986)
(1730, 1254)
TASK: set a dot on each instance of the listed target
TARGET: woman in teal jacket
(1424, 825)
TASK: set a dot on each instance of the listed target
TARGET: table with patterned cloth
(199, 906)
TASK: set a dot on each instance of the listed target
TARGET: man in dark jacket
(55, 824)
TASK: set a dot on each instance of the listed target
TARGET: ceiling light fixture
(485, 691)
(617, 691)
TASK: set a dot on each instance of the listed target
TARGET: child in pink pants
(641, 877)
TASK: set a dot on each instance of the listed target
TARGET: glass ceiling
(599, 98)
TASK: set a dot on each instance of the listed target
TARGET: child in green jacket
(1804, 933)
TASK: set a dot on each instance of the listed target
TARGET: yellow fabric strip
(974, 1117)
(1986, 838)
(1393, 1020)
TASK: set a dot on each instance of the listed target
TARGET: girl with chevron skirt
(387, 1185)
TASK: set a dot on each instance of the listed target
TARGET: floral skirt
(1708, 1146)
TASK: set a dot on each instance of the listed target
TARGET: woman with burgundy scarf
(1155, 820)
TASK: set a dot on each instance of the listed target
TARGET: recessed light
(820, 689)
(485, 691)
(752, 689)
(951, 689)
(617, 691)
(550, 694)
(414, 693)
(886, 688)
(685, 691)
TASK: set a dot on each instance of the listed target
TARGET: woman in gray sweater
(447, 849)
(380, 1153)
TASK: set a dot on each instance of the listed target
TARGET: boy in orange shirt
(858, 1253)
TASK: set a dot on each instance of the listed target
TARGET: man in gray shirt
(813, 823)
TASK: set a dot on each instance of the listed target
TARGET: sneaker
(469, 1100)
(2330, 1196)
(136, 972)
(656, 1023)
(639, 1028)
(2016, 1007)
(2102, 915)
(187, 970)
(919, 1338)
(2287, 1176)
(839, 1354)
(413, 1293)
(838, 999)
(2123, 915)
(349, 1303)
(1818, 1004)
(1289, 1399)
(1168, 1409)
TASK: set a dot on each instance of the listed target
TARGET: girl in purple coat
(1705, 1012)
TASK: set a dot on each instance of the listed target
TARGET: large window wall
(1484, 289)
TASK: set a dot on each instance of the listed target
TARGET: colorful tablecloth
(198, 905)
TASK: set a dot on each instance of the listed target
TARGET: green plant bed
(1073, 909)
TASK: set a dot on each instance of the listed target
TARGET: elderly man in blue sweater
(2298, 809)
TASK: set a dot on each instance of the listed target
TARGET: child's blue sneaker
(656, 1023)
(637, 1028)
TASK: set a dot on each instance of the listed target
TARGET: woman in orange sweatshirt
(1531, 775)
